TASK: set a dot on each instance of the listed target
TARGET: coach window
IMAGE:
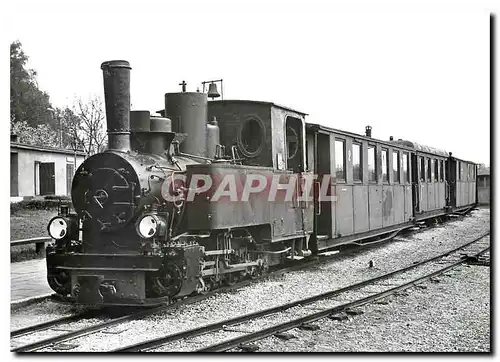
(436, 171)
(385, 165)
(422, 169)
(406, 174)
(460, 171)
(372, 169)
(357, 169)
(429, 170)
(340, 160)
(395, 166)
(441, 169)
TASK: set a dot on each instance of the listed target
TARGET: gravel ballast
(452, 315)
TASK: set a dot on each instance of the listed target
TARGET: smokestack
(116, 74)
(368, 131)
(391, 138)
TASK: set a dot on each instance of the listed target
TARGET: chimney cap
(368, 131)
(116, 64)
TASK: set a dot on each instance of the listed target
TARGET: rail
(39, 243)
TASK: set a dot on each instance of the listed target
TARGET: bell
(212, 91)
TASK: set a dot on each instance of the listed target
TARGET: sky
(418, 71)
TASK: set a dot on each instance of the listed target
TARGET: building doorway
(47, 179)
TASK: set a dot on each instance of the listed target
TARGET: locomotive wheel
(168, 282)
(60, 282)
(253, 273)
(231, 279)
(201, 287)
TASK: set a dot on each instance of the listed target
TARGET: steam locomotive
(179, 205)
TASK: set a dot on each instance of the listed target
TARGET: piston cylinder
(116, 74)
(188, 112)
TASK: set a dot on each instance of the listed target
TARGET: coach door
(323, 209)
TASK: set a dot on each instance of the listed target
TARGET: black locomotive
(179, 205)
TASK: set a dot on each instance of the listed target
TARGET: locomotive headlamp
(58, 228)
(150, 225)
(64, 227)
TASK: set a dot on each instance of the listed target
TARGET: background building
(40, 170)
(483, 185)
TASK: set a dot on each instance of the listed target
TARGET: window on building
(395, 166)
(422, 169)
(357, 166)
(429, 170)
(372, 169)
(385, 165)
(436, 170)
(406, 174)
(70, 172)
(340, 160)
(441, 170)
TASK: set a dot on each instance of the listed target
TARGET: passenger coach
(382, 187)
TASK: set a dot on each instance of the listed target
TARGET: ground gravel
(37, 313)
(338, 272)
(452, 315)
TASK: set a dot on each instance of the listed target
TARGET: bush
(55, 197)
(35, 204)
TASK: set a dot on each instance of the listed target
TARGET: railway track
(103, 325)
(63, 322)
(243, 342)
(222, 327)
(49, 324)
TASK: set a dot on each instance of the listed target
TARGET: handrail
(39, 243)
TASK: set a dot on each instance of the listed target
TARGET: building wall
(26, 170)
(483, 189)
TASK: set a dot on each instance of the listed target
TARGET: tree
(91, 127)
(41, 135)
(27, 102)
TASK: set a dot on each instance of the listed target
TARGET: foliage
(37, 122)
(91, 128)
(38, 204)
(41, 135)
(27, 102)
